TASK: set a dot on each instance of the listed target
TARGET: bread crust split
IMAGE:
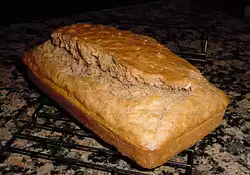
(130, 90)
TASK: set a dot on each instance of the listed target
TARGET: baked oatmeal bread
(130, 90)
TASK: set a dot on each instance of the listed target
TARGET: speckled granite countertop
(224, 151)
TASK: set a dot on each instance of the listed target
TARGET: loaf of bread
(130, 90)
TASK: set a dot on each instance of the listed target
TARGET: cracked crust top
(142, 54)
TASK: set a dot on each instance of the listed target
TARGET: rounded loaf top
(143, 55)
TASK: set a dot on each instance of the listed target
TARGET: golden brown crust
(145, 158)
(142, 54)
(148, 106)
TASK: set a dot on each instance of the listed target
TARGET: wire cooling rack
(101, 156)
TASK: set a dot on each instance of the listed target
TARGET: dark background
(234, 8)
(14, 12)
(23, 11)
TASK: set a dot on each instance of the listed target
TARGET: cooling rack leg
(190, 161)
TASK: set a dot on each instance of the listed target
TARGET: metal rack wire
(81, 132)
